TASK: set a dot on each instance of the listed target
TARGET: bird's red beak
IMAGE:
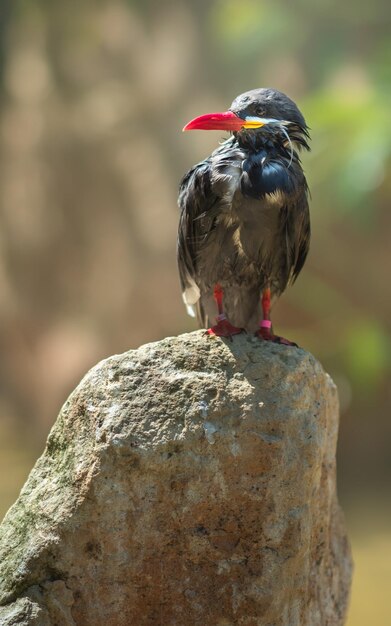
(216, 121)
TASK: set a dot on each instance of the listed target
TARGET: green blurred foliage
(367, 355)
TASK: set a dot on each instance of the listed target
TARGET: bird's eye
(260, 111)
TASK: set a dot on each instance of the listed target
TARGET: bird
(244, 226)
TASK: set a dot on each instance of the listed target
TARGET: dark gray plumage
(244, 217)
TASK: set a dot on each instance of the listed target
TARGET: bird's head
(258, 112)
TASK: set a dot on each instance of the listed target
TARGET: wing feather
(196, 198)
(298, 234)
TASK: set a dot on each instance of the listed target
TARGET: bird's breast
(264, 174)
(246, 240)
(261, 175)
(257, 222)
(252, 190)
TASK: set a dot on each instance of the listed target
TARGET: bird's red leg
(265, 328)
(222, 328)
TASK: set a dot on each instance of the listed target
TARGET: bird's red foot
(267, 335)
(223, 328)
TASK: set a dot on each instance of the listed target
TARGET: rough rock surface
(190, 482)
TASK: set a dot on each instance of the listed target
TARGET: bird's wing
(298, 234)
(196, 198)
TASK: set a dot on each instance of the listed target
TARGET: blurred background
(93, 99)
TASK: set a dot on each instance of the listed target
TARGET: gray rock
(190, 482)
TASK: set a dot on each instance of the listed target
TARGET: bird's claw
(224, 328)
(266, 335)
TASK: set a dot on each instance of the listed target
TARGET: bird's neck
(259, 141)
